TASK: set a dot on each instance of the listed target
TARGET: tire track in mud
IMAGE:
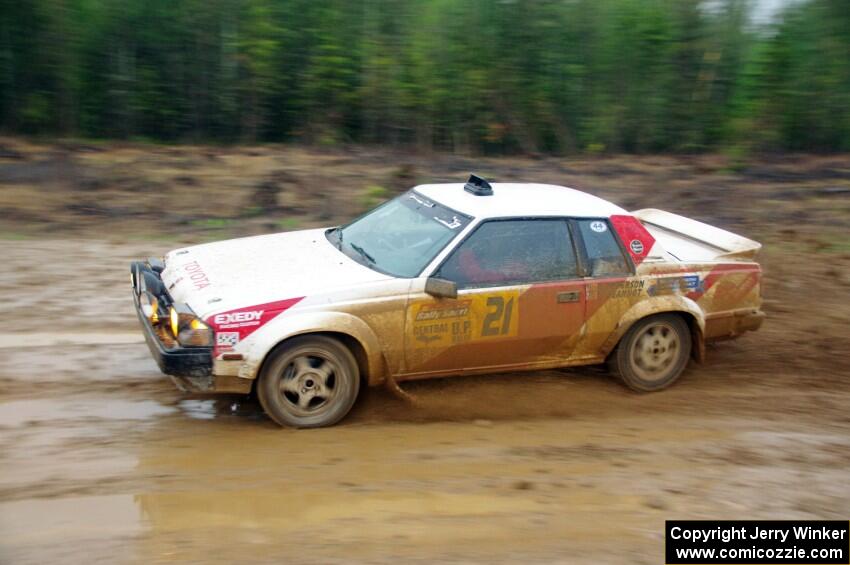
(21, 340)
(725, 382)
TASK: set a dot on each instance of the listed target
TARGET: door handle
(569, 296)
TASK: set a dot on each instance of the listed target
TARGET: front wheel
(309, 382)
(653, 353)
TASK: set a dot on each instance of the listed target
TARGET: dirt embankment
(101, 460)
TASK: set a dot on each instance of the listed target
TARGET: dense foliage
(469, 75)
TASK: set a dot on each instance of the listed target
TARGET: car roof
(520, 199)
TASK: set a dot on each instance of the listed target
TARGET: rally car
(446, 279)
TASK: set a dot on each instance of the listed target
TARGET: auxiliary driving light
(174, 318)
(154, 315)
(150, 307)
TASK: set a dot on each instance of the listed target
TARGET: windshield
(400, 237)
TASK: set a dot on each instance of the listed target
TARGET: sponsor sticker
(196, 275)
(238, 319)
(429, 312)
(633, 234)
(421, 201)
(629, 289)
(454, 224)
(225, 341)
(446, 323)
(691, 282)
(598, 227)
(238, 324)
(676, 285)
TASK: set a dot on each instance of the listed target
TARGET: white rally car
(446, 279)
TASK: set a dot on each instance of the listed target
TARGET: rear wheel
(309, 382)
(653, 353)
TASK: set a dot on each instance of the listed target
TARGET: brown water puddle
(490, 488)
(111, 464)
(50, 339)
(48, 410)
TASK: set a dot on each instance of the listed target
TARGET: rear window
(604, 256)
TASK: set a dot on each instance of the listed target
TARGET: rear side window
(604, 256)
(513, 252)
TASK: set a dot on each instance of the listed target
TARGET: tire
(309, 382)
(653, 353)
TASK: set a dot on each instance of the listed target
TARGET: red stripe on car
(634, 235)
(233, 326)
(718, 272)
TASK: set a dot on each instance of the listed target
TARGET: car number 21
(498, 318)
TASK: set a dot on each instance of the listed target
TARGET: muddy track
(103, 461)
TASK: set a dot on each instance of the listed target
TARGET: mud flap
(698, 344)
(392, 386)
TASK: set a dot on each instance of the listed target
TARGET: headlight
(150, 307)
(189, 330)
(196, 334)
(174, 318)
(154, 316)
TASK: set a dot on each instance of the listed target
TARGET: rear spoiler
(729, 245)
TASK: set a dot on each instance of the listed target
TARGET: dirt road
(103, 461)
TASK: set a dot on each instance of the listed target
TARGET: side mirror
(440, 288)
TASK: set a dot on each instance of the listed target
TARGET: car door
(520, 301)
(611, 285)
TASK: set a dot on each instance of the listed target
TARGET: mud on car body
(446, 279)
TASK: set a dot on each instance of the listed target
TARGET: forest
(479, 76)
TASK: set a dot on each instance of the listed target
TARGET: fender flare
(295, 324)
(660, 305)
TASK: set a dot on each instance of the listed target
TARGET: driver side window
(504, 252)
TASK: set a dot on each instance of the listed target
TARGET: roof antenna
(478, 186)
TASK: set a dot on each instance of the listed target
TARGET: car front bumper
(173, 360)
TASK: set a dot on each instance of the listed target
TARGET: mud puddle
(44, 339)
(117, 478)
(50, 410)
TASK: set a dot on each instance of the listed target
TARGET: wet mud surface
(102, 460)
(113, 465)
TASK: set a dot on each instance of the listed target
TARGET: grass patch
(13, 236)
(212, 223)
(289, 224)
(835, 247)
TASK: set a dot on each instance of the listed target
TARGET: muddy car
(446, 279)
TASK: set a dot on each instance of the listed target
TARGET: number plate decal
(445, 323)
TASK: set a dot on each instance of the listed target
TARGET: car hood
(236, 273)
